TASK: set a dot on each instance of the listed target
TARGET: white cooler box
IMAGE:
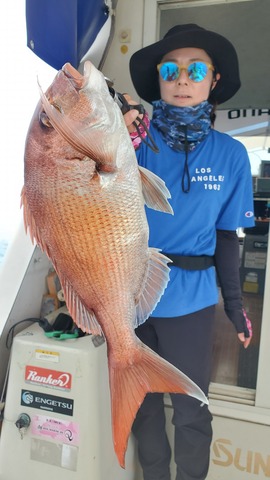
(63, 387)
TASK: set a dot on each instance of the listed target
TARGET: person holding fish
(184, 76)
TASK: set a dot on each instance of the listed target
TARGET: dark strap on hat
(200, 262)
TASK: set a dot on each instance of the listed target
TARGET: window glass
(232, 364)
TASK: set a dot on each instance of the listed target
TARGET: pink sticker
(60, 430)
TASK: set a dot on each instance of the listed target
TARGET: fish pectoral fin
(148, 373)
(84, 318)
(153, 286)
(154, 191)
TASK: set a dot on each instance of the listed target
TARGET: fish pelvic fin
(155, 282)
(84, 318)
(148, 373)
(155, 192)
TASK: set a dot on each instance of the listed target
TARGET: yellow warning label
(47, 355)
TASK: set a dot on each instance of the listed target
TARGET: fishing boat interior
(55, 400)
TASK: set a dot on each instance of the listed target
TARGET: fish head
(61, 94)
(81, 110)
(44, 144)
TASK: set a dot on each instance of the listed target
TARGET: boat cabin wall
(128, 38)
(244, 22)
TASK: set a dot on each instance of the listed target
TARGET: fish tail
(130, 384)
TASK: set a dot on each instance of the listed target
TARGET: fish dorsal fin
(156, 279)
(155, 192)
(83, 317)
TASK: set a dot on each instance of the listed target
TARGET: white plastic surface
(63, 441)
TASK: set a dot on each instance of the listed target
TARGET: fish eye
(43, 117)
(44, 120)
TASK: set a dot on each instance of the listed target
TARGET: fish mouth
(70, 79)
(78, 80)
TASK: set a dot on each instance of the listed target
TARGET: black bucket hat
(143, 63)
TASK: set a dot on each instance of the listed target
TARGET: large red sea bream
(83, 200)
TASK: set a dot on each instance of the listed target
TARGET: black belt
(200, 262)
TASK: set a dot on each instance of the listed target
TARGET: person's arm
(227, 268)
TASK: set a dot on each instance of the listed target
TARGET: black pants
(186, 342)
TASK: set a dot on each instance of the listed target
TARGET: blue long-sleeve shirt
(220, 197)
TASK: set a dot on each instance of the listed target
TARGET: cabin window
(232, 364)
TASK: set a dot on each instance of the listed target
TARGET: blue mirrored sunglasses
(196, 71)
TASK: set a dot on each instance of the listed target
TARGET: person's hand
(129, 118)
(131, 115)
(248, 330)
(245, 341)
